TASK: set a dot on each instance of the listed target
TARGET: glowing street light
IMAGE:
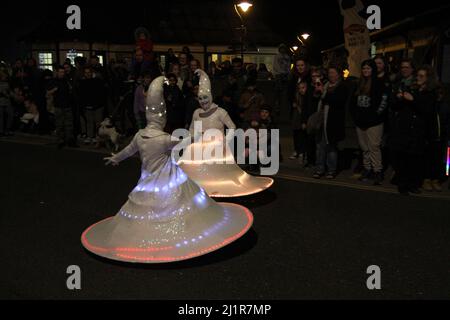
(245, 5)
(295, 48)
(305, 36)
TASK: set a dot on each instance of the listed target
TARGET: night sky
(321, 18)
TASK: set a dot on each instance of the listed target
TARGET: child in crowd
(30, 119)
(299, 108)
(266, 122)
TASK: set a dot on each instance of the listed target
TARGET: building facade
(424, 38)
(212, 32)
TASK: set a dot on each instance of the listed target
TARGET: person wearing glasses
(411, 133)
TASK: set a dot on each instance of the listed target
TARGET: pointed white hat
(155, 109)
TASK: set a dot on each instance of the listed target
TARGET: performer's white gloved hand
(111, 160)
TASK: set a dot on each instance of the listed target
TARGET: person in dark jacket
(226, 102)
(62, 92)
(404, 80)
(192, 104)
(300, 108)
(251, 101)
(435, 152)
(382, 69)
(263, 126)
(318, 82)
(332, 106)
(171, 59)
(92, 97)
(6, 108)
(300, 72)
(368, 107)
(174, 104)
(414, 110)
(383, 75)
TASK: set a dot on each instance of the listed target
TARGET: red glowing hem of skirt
(99, 250)
(217, 195)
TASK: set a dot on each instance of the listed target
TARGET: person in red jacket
(144, 42)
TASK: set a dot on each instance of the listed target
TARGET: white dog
(108, 133)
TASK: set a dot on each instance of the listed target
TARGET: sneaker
(365, 175)
(403, 191)
(377, 179)
(87, 141)
(394, 179)
(317, 175)
(436, 185)
(308, 165)
(414, 190)
(426, 186)
(294, 156)
(330, 175)
(301, 159)
(72, 145)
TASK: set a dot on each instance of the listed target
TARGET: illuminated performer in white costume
(219, 175)
(167, 217)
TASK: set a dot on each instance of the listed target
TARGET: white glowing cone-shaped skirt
(175, 221)
(219, 174)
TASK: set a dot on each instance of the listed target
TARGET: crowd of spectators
(401, 119)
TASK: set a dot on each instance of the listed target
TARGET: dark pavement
(309, 241)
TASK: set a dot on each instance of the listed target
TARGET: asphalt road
(309, 241)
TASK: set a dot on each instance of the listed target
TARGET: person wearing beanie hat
(266, 107)
(167, 217)
(369, 107)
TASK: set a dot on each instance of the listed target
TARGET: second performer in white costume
(219, 176)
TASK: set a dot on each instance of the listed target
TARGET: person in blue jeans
(332, 107)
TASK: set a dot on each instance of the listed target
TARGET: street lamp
(302, 39)
(304, 36)
(244, 6)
